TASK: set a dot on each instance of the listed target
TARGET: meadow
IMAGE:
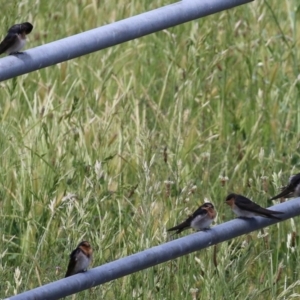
(117, 146)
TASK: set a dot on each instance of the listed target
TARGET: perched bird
(80, 259)
(15, 39)
(290, 190)
(199, 220)
(245, 208)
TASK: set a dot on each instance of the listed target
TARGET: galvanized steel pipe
(110, 35)
(157, 255)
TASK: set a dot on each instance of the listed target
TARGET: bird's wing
(200, 213)
(287, 191)
(8, 41)
(245, 203)
(72, 262)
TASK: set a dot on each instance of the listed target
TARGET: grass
(116, 146)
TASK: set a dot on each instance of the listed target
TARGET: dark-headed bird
(80, 259)
(15, 39)
(292, 189)
(199, 220)
(245, 208)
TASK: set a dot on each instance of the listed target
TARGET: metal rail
(156, 255)
(110, 35)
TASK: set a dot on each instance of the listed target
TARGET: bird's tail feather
(180, 227)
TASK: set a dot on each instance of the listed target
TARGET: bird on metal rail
(15, 39)
(292, 189)
(245, 208)
(199, 220)
(80, 259)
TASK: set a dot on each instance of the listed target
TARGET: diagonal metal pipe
(110, 35)
(156, 255)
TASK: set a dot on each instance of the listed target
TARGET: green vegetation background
(116, 146)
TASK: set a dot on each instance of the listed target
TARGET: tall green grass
(116, 146)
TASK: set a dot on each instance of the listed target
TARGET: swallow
(292, 189)
(15, 39)
(199, 220)
(80, 258)
(245, 208)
